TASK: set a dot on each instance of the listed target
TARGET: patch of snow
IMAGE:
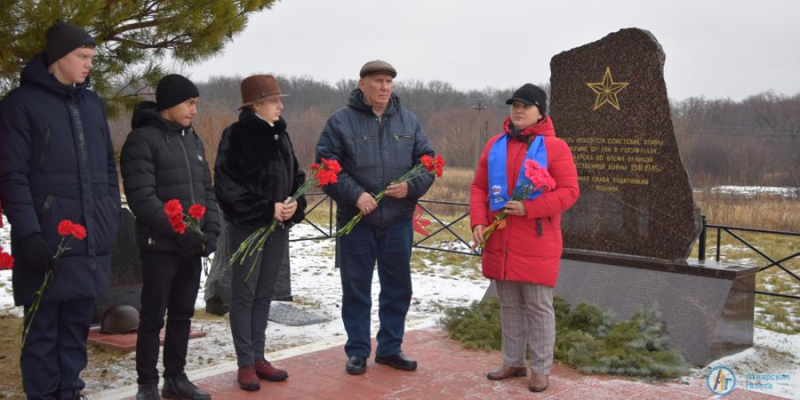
(752, 191)
(771, 366)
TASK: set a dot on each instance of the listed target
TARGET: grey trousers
(250, 300)
(527, 317)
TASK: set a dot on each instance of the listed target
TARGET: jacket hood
(146, 114)
(358, 102)
(250, 120)
(35, 72)
(544, 128)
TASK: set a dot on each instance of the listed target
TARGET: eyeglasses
(519, 104)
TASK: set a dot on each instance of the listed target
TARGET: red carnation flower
(197, 211)
(65, 228)
(179, 227)
(173, 207)
(428, 162)
(6, 260)
(327, 172)
(439, 165)
(78, 231)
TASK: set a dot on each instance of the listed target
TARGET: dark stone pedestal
(707, 308)
(125, 281)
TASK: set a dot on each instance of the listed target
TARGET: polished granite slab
(609, 103)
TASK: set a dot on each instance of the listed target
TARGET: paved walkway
(446, 371)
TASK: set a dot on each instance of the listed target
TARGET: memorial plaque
(609, 103)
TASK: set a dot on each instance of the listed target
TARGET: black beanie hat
(62, 38)
(174, 89)
(530, 94)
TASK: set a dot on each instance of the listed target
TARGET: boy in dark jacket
(164, 159)
(57, 163)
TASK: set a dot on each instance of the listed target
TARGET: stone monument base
(707, 307)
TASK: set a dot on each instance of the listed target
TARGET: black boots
(148, 392)
(180, 388)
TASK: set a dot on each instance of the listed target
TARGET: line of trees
(755, 141)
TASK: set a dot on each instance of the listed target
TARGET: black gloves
(211, 243)
(191, 243)
(34, 254)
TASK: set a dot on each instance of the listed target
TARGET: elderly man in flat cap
(57, 163)
(376, 141)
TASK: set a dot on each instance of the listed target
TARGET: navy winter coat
(372, 152)
(56, 163)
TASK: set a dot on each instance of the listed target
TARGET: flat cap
(378, 66)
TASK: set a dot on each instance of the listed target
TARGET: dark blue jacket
(56, 163)
(372, 152)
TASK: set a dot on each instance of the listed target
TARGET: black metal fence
(447, 226)
(770, 260)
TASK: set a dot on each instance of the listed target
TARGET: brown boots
(506, 372)
(538, 382)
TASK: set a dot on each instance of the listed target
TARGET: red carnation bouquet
(68, 230)
(536, 178)
(427, 165)
(324, 173)
(180, 221)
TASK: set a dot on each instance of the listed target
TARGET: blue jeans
(358, 251)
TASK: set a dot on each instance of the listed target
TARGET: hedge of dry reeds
(762, 211)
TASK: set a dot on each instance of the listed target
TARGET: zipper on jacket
(539, 227)
(188, 165)
(383, 167)
(47, 134)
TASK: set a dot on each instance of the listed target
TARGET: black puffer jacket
(57, 162)
(161, 161)
(372, 152)
(256, 167)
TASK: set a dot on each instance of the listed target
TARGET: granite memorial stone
(609, 103)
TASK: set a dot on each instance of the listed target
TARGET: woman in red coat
(523, 257)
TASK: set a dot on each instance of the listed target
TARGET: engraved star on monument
(606, 90)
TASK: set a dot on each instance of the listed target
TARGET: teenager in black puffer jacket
(255, 174)
(163, 159)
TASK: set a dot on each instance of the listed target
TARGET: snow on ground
(752, 191)
(773, 363)
(771, 366)
(315, 287)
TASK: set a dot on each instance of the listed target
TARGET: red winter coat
(518, 253)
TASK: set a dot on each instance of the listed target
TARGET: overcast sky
(714, 48)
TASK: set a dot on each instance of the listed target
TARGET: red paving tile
(446, 371)
(127, 341)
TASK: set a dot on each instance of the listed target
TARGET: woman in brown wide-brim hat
(255, 174)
